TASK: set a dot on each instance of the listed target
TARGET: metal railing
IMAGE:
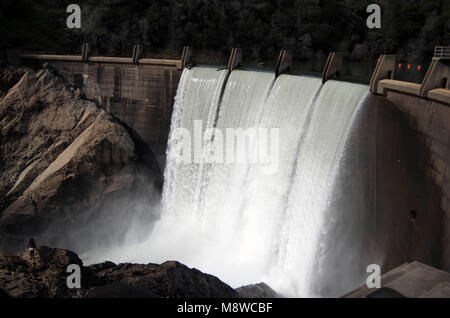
(442, 51)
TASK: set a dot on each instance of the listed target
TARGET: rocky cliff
(47, 277)
(71, 173)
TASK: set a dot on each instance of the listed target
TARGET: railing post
(284, 63)
(442, 51)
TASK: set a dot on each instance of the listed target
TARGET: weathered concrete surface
(384, 70)
(435, 84)
(141, 96)
(430, 124)
(438, 70)
(424, 112)
(413, 280)
(386, 171)
(406, 87)
(399, 159)
(440, 95)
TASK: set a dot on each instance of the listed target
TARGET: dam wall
(138, 91)
(140, 95)
(141, 91)
(429, 122)
(382, 181)
(402, 149)
(413, 142)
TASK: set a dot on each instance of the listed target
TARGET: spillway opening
(233, 219)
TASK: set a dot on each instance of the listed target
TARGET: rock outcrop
(261, 290)
(9, 76)
(66, 164)
(47, 276)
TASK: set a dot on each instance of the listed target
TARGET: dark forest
(309, 28)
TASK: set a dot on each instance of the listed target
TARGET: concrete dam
(362, 176)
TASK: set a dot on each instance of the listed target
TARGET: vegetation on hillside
(410, 28)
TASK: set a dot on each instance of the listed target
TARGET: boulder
(260, 290)
(168, 280)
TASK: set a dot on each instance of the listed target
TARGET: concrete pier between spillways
(403, 152)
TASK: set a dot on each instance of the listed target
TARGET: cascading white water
(320, 151)
(197, 99)
(231, 219)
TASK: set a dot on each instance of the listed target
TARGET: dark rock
(9, 76)
(168, 280)
(44, 256)
(102, 266)
(46, 277)
(121, 290)
(260, 290)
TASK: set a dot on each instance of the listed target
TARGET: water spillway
(197, 101)
(237, 220)
(307, 211)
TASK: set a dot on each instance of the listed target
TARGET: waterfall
(197, 99)
(232, 219)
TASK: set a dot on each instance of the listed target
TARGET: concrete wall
(396, 162)
(400, 161)
(429, 123)
(412, 127)
(435, 85)
(439, 69)
(140, 95)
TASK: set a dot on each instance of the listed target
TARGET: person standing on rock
(32, 246)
